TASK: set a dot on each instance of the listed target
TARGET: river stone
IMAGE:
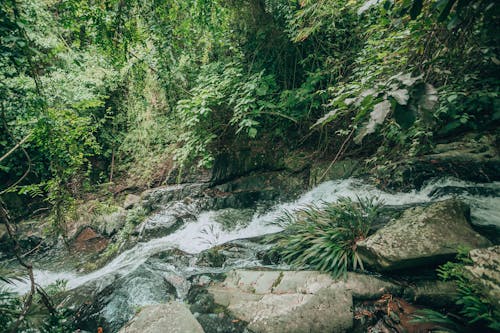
(131, 200)
(173, 317)
(485, 271)
(432, 293)
(421, 236)
(301, 301)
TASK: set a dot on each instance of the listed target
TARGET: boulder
(169, 219)
(173, 317)
(295, 301)
(484, 271)
(159, 197)
(421, 236)
(131, 200)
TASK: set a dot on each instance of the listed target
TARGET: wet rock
(246, 191)
(213, 318)
(485, 272)
(173, 317)
(168, 220)
(236, 163)
(212, 258)
(438, 294)
(159, 197)
(88, 240)
(323, 171)
(289, 301)
(131, 200)
(111, 301)
(474, 158)
(234, 253)
(421, 236)
(110, 224)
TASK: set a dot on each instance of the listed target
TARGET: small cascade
(206, 232)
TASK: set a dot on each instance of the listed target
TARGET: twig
(339, 153)
(28, 170)
(15, 147)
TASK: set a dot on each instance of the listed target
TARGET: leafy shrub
(325, 238)
(224, 97)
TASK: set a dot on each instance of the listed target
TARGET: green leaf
(416, 8)
(446, 10)
(400, 95)
(377, 117)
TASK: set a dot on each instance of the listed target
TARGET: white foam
(205, 232)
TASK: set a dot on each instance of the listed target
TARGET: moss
(278, 280)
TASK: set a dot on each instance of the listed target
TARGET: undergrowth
(476, 310)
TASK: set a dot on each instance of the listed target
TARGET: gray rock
(475, 158)
(131, 200)
(158, 197)
(295, 301)
(167, 220)
(323, 171)
(421, 236)
(485, 272)
(432, 293)
(173, 317)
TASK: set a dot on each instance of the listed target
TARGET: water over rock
(173, 317)
(421, 236)
(111, 301)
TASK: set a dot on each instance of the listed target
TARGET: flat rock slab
(173, 317)
(295, 301)
(421, 236)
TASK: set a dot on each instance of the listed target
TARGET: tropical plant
(476, 310)
(325, 237)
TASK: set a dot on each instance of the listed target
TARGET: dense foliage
(105, 91)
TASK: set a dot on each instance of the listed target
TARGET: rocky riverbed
(201, 253)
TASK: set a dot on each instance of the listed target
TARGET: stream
(141, 274)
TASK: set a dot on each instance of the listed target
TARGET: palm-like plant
(325, 237)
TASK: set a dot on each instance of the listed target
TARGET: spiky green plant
(325, 237)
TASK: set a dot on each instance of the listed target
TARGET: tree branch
(15, 147)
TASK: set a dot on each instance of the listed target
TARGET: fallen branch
(340, 152)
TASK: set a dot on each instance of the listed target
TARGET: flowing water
(206, 231)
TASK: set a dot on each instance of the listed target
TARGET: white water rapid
(205, 232)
